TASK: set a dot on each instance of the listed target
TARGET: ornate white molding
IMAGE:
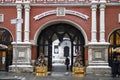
(44, 14)
(81, 15)
(51, 12)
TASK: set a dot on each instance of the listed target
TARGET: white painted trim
(81, 15)
(51, 12)
(44, 14)
(118, 17)
(112, 32)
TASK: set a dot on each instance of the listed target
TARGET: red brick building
(91, 26)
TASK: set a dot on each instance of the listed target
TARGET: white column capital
(19, 6)
(94, 6)
(27, 6)
(102, 6)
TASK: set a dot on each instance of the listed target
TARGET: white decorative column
(27, 22)
(22, 50)
(98, 51)
(18, 40)
(19, 25)
(102, 21)
(94, 24)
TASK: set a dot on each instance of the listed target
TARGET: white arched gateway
(60, 31)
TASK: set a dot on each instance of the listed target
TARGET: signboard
(15, 21)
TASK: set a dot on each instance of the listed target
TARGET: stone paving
(54, 76)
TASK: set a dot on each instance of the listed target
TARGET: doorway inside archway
(114, 47)
(6, 52)
(59, 53)
(58, 41)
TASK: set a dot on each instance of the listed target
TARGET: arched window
(66, 51)
(114, 40)
(5, 49)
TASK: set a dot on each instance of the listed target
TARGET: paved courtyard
(54, 76)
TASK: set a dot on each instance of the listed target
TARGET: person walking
(67, 62)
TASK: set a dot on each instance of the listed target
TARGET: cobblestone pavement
(54, 76)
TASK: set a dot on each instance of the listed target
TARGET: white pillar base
(21, 68)
(21, 57)
(98, 70)
(98, 58)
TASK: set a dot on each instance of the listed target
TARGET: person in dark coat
(67, 62)
(115, 67)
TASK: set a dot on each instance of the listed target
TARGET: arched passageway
(58, 38)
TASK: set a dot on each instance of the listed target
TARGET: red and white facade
(96, 19)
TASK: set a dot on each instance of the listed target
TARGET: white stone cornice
(19, 1)
(94, 1)
(102, 1)
(27, 1)
(99, 43)
(22, 43)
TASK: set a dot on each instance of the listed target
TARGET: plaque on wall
(60, 11)
(98, 55)
(21, 54)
